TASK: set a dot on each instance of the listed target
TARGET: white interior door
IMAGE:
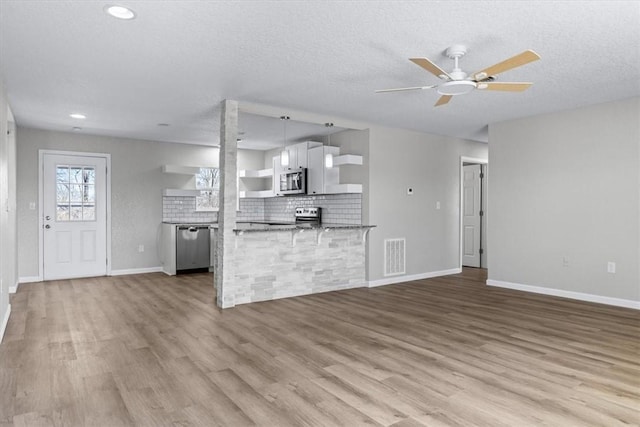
(471, 219)
(74, 216)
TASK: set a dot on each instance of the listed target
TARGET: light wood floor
(155, 350)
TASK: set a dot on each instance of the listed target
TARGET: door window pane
(62, 213)
(76, 175)
(62, 174)
(75, 193)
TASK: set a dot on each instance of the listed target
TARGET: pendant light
(328, 158)
(284, 154)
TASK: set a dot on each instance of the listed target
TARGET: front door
(471, 219)
(74, 216)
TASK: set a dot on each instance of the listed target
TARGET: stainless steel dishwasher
(192, 248)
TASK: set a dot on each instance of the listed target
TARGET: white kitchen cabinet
(319, 178)
(298, 154)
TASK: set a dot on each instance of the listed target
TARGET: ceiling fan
(457, 82)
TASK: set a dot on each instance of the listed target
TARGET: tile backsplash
(183, 209)
(336, 208)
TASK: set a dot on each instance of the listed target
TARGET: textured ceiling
(178, 59)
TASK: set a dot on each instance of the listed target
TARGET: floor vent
(394, 256)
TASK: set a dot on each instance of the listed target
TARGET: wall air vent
(394, 256)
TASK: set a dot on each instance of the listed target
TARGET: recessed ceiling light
(120, 12)
(163, 124)
(77, 116)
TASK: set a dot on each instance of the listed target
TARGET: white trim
(29, 279)
(411, 277)
(41, 154)
(13, 289)
(135, 271)
(463, 160)
(619, 302)
(5, 322)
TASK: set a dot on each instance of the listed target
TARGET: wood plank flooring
(153, 350)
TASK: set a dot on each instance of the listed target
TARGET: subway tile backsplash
(336, 208)
(183, 209)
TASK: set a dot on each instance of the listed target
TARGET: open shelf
(261, 173)
(256, 194)
(183, 170)
(347, 159)
(344, 188)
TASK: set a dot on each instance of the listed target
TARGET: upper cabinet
(320, 178)
(298, 154)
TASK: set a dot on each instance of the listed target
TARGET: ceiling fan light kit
(458, 82)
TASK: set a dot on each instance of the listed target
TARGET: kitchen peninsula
(258, 262)
(278, 261)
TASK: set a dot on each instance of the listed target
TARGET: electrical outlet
(140, 248)
(611, 267)
(437, 205)
(565, 261)
(32, 206)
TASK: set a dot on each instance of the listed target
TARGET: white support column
(224, 273)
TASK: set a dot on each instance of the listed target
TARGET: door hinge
(481, 175)
(481, 213)
(481, 251)
(106, 261)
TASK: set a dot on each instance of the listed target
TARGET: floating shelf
(261, 173)
(256, 194)
(344, 188)
(183, 170)
(347, 159)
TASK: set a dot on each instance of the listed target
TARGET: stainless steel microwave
(293, 181)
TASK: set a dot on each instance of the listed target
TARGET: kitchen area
(297, 225)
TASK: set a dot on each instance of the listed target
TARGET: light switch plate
(611, 267)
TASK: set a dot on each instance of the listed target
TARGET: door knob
(47, 217)
(47, 226)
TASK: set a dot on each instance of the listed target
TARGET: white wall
(136, 196)
(8, 271)
(566, 185)
(430, 164)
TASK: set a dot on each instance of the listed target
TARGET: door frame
(41, 154)
(475, 160)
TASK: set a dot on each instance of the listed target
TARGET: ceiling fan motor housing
(456, 87)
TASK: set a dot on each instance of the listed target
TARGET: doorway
(74, 212)
(473, 212)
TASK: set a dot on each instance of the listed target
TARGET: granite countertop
(251, 226)
(293, 226)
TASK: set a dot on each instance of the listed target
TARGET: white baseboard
(409, 278)
(619, 302)
(136, 271)
(29, 279)
(14, 289)
(5, 321)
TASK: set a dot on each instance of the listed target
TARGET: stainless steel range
(308, 216)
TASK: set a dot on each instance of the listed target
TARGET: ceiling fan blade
(431, 67)
(513, 62)
(505, 86)
(443, 100)
(405, 88)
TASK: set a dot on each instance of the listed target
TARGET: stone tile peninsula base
(279, 263)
